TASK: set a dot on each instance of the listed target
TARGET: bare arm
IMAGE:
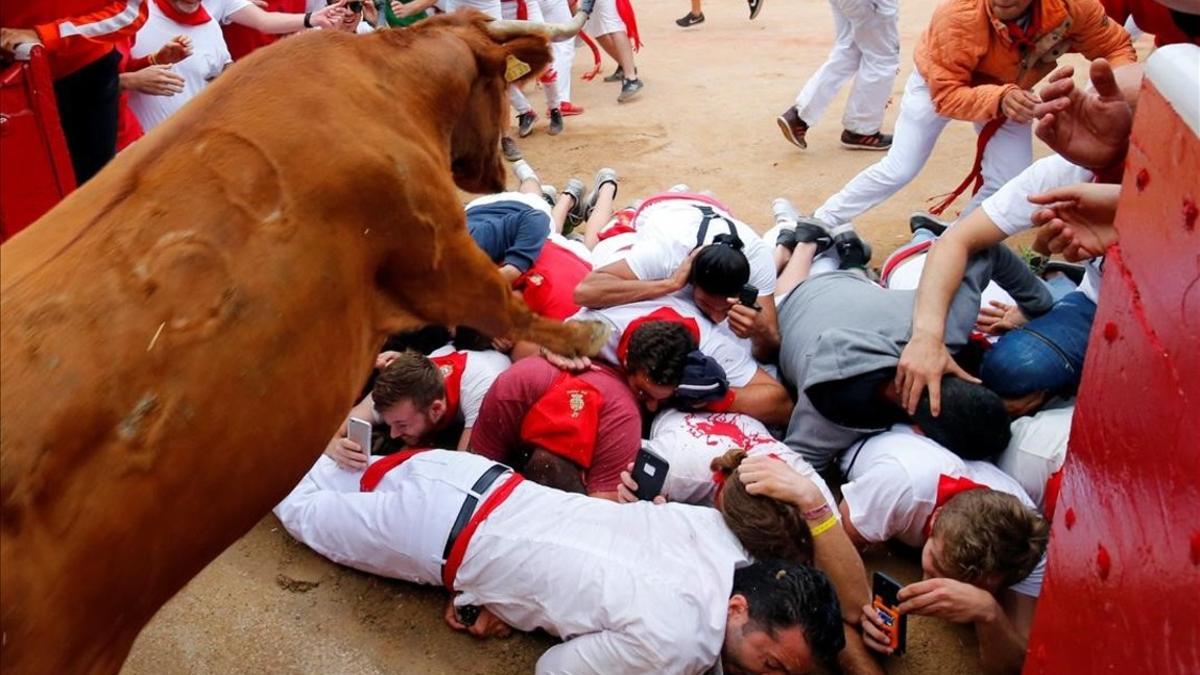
(765, 398)
(616, 284)
(925, 358)
(1003, 635)
(275, 23)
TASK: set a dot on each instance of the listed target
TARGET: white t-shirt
(1011, 211)
(1038, 448)
(481, 371)
(690, 440)
(209, 57)
(893, 485)
(667, 232)
(739, 365)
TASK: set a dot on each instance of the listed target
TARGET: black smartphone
(649, 472)
(748, 296)
(467, 614)
(885, 601)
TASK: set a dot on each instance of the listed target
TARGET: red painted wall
(1122, 593)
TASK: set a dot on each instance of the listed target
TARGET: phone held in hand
(748, 296)
(885, 601)
(359, 431)
(650, 473)
(467, 615)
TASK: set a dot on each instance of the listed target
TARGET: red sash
(193, 19)
(452, 367)
(629, 18)
(949, 487)
(660, 314)
(549, 285)
(566, 420)
(459, 550)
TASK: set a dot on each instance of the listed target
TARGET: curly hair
(781, 595)
(767, 527)
(659, 349)
(987, 532)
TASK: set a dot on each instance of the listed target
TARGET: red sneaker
(568, 109)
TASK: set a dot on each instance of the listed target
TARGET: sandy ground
(706, 117)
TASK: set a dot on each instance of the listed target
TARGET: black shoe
(617, 76)
(509, 147)
(924, 221)
(807, 231)
(853, 251)
(755, 8)
(525, 123)
(688, 20)
(1072, 271)
(629, 89)
(556, 122)
(875, 141)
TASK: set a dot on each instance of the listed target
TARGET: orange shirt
(76, 32)
(970, 60)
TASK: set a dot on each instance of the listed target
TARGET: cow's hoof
(594, 335)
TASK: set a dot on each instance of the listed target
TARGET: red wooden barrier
(1122, 594)
(35, 168)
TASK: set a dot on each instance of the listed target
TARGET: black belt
(468, 508)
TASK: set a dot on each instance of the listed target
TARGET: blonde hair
(987, 532)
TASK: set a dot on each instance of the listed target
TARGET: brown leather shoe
(793, 128)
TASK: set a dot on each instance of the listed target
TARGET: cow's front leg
(463, 288)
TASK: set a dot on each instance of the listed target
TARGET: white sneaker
(785, 214)
(681, 187)
(524, 172)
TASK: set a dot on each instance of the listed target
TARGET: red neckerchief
(375, 473)
(660, 314)
(171, 12)
(452, 366)
(1024, 38)
(947, 488)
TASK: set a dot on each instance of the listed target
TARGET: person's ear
(739, 610)
(933, 518)
(437, 408)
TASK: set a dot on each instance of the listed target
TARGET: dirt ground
(707, 118)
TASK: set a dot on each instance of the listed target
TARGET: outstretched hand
(1077, 220)
(329, 16)
(923, 363)
(1089, 128)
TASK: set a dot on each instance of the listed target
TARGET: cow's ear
(526, 57)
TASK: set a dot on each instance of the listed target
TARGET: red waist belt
(469, 519)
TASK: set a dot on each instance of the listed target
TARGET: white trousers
(866, 47)
(917, 131)
(557, 11)
(516, 97)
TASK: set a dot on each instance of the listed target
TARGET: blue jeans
(1046, 354)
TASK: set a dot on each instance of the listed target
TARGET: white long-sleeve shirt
(632, 588)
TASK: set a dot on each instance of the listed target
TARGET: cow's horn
(502, 29)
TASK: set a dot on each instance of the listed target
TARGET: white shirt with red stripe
(209, 57)
(689, 441)
(734, 357)
(667, 231)
(625, 585)
(481, 371)
(893, 488)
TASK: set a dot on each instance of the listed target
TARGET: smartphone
(886, 603)
(467, 615)
(359, 431)
(748, 296)
(650, 473)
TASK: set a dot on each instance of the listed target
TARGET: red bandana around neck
(173, 13)
(948, 487)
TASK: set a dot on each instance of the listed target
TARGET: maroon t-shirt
(497, 431)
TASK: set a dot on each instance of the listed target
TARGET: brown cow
(180, 337)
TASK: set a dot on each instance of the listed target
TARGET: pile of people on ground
(806, 404)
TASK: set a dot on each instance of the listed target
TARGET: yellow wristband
(824, 526)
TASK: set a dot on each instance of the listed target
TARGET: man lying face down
(630, 588)
(842, 339)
